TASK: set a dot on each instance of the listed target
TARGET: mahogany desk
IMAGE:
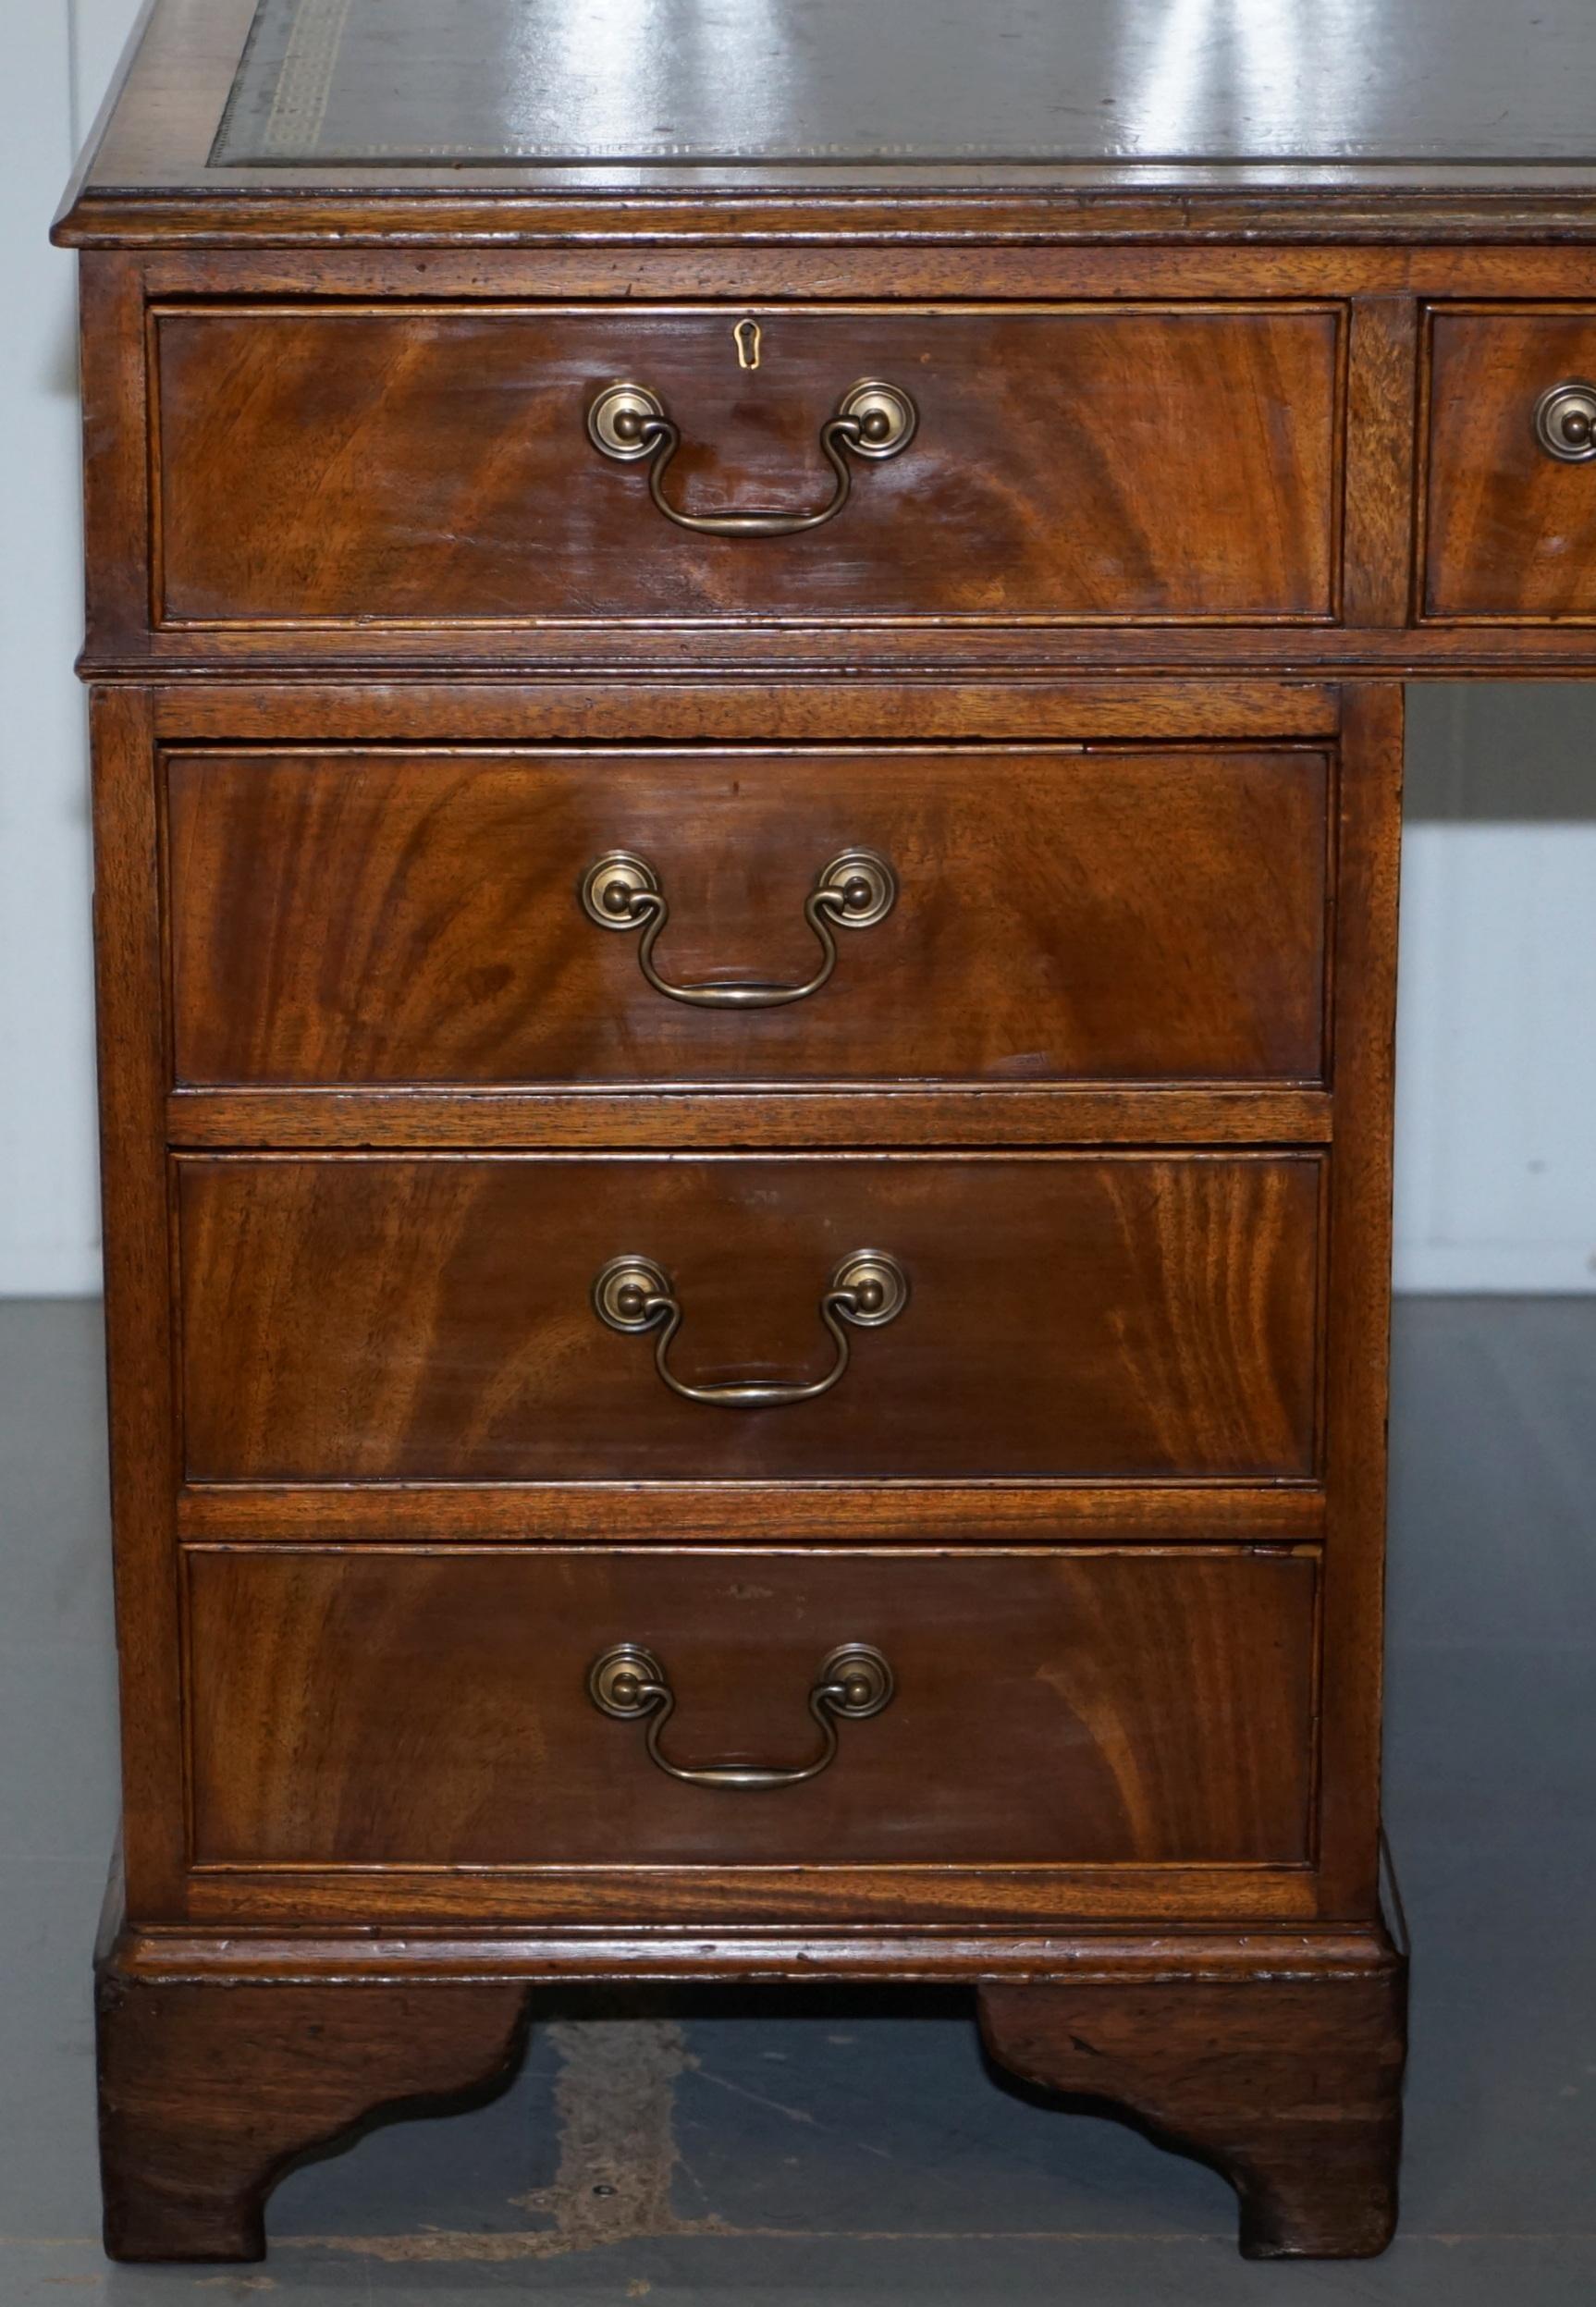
(748, 698)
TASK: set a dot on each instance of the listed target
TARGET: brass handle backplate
(1566, 421)
(854, 892)
(628, 423)
(630, 1683)
(633, 1294)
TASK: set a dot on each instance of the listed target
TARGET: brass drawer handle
(630, 1683)
(629, 423)
(854, 892)
(634, 1295)
(1566, 421)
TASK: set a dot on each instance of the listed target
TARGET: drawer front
(1511, 522)
(1046, 915)
(373, 1319)
(434, 464)
(407, 1708)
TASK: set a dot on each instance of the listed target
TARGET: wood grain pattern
(1382, 429)
(1437, 214)
(746, 649)
(392, 1319)
(1290, 2085)
(1003, 1902)
(1382, 281)
(567, 1117)
(213, 2076)
(1510, 531)
(143, 1381)
(433, 464)
(1057, 267)
(1357, 1298)
(390, 1708)
(820, 1513)
(1059, 915)
(696, 708)
(1098, 1954)
(355, 569)
(114, 383)
(209, 2092)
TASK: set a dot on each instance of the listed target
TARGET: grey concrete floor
(849, 2149)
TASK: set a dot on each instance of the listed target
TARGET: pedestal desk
(747, 711)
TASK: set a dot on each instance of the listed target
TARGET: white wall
(1497, 1113)
(1497, 1120)
(61, 53)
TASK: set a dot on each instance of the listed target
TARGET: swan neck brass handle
(628, 423)
(1566, 421)
(854, 892)
(634, 1295)
(630, 1684)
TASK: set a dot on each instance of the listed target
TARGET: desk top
(1336, 102)
(820, 83)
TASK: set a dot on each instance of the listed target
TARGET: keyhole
(746, 333)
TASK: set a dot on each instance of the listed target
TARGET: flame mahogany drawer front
(1018, 914)
(1511, 496)
(429, 463)
(518, 1319)
(363, 1709)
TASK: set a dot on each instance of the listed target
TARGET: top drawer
(344, 466)
(1511, 500)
